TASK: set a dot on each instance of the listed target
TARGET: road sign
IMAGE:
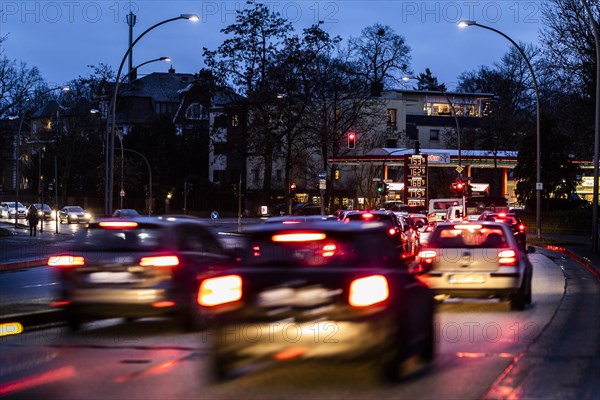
(459, 169)
(322, 175)
(122, 193)
(322, 184)
(539, 186)
(214, 215)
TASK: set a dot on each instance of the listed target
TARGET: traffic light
(458, 188)
(351, 139)
(379, 187)
(292, 189)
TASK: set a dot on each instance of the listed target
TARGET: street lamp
(133, 73)
(596, 32)
(149, 178)
(111, 122)
(538, 167)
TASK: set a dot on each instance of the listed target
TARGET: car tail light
(368, 291)
(118, 224)
(507, 258)
(392, 231)
(220, 290)
(427, 256)
(329, 250)
(159, 261)
(470, 227)
(522, 227)
(299, 237)
(429, 229)
(66, 260)
(367, 216)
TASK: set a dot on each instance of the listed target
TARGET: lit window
(391, 118)
(194, 111)
(235, 120)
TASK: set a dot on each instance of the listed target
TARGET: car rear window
(332, 250)
(506, 219)
(457, 236)
(370, 218)
(141, 239)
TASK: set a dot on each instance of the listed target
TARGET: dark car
(137, 268)
(315, 291)
(126, 213)
(511, 219)
(407, 239)
(44, 211)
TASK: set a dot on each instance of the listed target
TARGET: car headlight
(88, 216)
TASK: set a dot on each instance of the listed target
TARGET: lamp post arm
(457, 126)
(538, 167)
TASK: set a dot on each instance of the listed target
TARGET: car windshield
(99, 239)
(39, 207)
(13, 205)
(74, 209)
(460, 236)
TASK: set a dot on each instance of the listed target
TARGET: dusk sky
(63, 37)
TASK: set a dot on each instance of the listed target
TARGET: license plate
(467, 278)
(112, 277)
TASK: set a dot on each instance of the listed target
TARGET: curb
(35, 319)
(581, 260)
(23, 264)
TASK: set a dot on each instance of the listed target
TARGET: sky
(62, 38)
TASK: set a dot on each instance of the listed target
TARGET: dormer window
(195, 111)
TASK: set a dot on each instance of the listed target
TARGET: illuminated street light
(111, 122)
(133, 72)
(538, 167)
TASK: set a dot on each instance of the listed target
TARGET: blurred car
(295, 219)
(318, 290)
(306, 209)
(126, 213)
(7, 210)
(44, 211)
(73, 214)
(421, 223)
(137, 268)
(477, 260)
(410, 229)
(396, 228)
(511, 219)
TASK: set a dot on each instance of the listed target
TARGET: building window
(220, 148)
(195, 111)
(434, 135)
(235, 120)
(391, 118)
(220, 121)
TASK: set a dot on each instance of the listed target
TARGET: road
(484, 351)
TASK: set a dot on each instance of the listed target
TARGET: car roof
(323, 226)
(162, 220)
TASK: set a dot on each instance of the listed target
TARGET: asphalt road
(484, 350)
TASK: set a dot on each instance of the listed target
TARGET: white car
(8, 210)
(73, 214)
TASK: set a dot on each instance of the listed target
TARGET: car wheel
(519, 299)
(74, 322)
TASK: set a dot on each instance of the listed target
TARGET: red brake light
(392, 231)
(118, 224)
(220, 290)
(329, 250)
(507, 258)
(367, 216)
(299, 237)
(522, 227)
(427, 256)
(159, 261)
(368, 291)
(429, 229)
(66, 260)
(502, 215)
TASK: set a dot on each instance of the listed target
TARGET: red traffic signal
(292, 186)
(351, 140)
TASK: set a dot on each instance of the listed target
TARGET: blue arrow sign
(214, 215)
(322, 175)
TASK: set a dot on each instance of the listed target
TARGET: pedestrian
(33, 219)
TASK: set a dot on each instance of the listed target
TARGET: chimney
(171, 70)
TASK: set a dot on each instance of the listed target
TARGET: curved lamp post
(538, 167)
(149, 178)
(18, 149)
(122, 186)
(129, 76)
(111, 123)
(596, 32)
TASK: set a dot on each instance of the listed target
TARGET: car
(44, 211)
(313, 291)
(421, 223)
(73, 214)
(295, 219)
(396, 229)
(7, 210)
(477, 260)
(136, 268)
(511, 219)
(126, 213)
